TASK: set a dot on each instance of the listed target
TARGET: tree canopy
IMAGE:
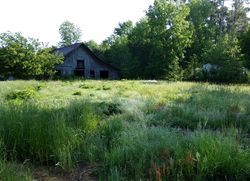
(70, 33)
(176, 38)
(25, 57)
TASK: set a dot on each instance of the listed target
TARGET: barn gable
(79, 60)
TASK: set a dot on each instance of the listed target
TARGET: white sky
(41, 18)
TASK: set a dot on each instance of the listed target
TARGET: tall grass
(129, 129)
(12, 172)
(165, 154)
(44, 135)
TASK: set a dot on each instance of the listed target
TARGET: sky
(41, 18)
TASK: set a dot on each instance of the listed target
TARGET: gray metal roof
(67, 49)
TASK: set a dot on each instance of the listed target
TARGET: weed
(85, 86)
(78, 93)
(25, 94)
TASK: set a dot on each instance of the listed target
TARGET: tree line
(197, 40)
(176, 39)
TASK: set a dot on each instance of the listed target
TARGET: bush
(25, 94)
(77, 93)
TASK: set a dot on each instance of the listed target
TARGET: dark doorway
(104, 74)
(58, 73)
(79, 71)
(80, 64)
(92, 74)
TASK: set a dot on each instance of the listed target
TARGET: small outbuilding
(79, 60)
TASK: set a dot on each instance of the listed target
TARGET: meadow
(124, 130)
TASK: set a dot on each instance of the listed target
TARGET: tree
(115, 49)
(140, 47)
(124, 29)
(238, 20)
(25, 57)
(245, 42)
(170, 34)
(70, 33)
(93, 46)
(226, 55)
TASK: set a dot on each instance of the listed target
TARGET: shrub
(78, 93)
(25, 94)
(106, 88)
(111, 108)
(85, 86)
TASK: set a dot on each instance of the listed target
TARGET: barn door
(80, 68)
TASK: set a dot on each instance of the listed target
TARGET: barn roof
(66, 50)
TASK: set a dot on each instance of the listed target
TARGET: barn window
(92, 74)
(80, 64)
(104, 74)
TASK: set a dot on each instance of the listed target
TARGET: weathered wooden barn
(79, 60)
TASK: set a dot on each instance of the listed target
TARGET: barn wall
(70, 63)
(67, 68)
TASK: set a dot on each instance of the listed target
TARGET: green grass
(131, 130)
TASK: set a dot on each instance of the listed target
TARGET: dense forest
(196, 40)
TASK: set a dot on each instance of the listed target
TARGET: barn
(79, 60)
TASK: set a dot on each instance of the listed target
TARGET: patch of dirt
(82, 172)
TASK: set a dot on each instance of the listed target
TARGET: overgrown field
(125, 130)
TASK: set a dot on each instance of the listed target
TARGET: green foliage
(169, 35)
(110, 108)
(25, 57)
(203, 27)
(245, 42)
(25, 94)
(154, 47)
(175, 39)
(116, 48)
(70, 33)
(78, 93)
(226, 54)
